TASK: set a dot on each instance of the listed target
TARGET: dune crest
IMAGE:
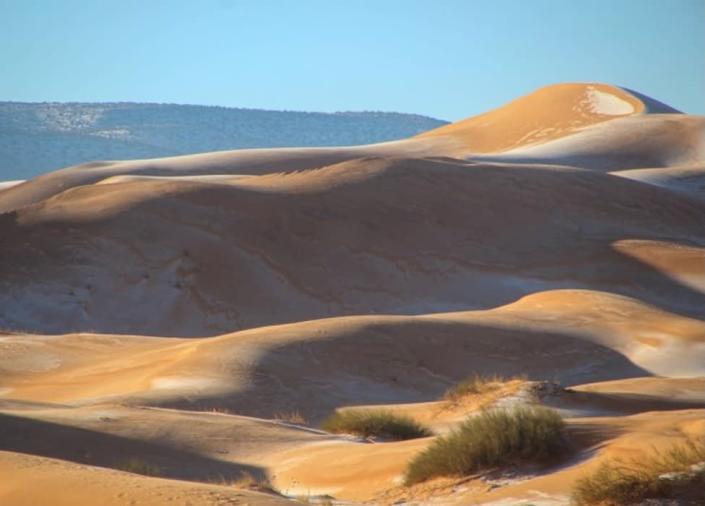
(546, 114)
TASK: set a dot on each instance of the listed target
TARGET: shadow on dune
(399, 236)
(653, 106)
(53, 440)
(617, 404)
(588, 437)
(406, 361)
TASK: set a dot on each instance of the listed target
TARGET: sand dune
(549, 113)
(546, 114)
(572, 336)
(245, 161)
(224, 445)
(30, 480)
(633, 395)
(394, 235)
(689, 179)
(624, 437)
(203, 314)
(373, 472)
(634, 142)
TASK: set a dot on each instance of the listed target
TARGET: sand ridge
(406, 236)
(573, 336)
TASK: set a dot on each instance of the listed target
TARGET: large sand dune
(395, 235)
(201, 315)
(571, 336)
(547, 114)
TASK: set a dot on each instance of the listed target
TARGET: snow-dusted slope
(641, 141)
(212, 242)
(438, 258)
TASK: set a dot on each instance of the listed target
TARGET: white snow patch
(183, 383)
(600, 102)
(9, 184)
(679, 360)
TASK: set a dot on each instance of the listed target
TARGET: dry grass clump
(494, 438)
(375, 422)
(677, 472)
(139, 466)
(477, 384)
(294, 417)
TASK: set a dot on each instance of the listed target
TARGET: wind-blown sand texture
(195, 318)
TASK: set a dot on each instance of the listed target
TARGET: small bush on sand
(375, 422)
(477, 384)
(677, 472)
(139, 466)
(494, 438)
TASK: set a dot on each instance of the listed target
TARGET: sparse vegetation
(247, 481)
(494, 438)
(294, 417)
(375, 422)
(139, 466)
(477, 384)
(674, 473)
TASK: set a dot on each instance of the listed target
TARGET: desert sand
(176, 329)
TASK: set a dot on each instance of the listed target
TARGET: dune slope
(395, 235)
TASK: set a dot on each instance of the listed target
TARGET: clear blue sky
(444, 58)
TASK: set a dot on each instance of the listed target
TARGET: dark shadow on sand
(82, 446)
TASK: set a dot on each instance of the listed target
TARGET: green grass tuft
(663, 475)
(493, 438)
(375, 422)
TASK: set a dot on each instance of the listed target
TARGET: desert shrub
(491, 439)
(477, 384)
(375, 422)
(662, 475)
(294, 417)
(139, 466)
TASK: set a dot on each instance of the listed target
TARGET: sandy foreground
(176, 330)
